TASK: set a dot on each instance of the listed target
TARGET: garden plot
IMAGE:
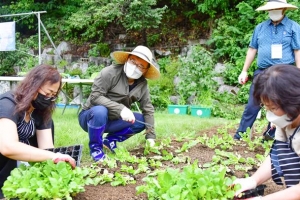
(211, 156)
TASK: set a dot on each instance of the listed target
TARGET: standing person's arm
(10, 147)
(297, 57)
(251, 53)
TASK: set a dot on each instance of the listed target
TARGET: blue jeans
(97, 116)
(250, 112)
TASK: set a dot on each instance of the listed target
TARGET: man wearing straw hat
(115, 89)
(275, 41)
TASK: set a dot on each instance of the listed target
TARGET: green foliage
(213, 7)
(54, 20)
(29, 64)
(99, 49)
(11, 59)
(233, 32)
(62, 64)
(243, 93)
(92, 69)
(141, 15)
(44, 180)
(7, 61)
(226, 106)
(196, 75)
(294, 14)
(76, 71)
(91, 72)
(133, 15)
(190, 183)
(162, 88)
(153, 39)
(232, 73)
(164, 63)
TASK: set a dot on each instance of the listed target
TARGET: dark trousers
(7, 164)
(251, 110)
(97, 116)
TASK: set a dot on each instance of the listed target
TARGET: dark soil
(200, 152)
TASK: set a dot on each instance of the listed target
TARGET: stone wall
(54, 56)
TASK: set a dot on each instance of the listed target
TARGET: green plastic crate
(199, 111)
(178, 109)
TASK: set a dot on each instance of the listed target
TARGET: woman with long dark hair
(26, 126)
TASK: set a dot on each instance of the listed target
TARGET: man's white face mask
(132, 71)
(275, 15)
(280, 121)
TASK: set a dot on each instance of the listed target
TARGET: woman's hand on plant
(246, 184)
(65, 158)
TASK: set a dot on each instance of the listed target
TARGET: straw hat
(120, 57)
(276, 4)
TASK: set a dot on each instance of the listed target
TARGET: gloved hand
(65, 158)
(243, 77)
(246, 184)
(151, 142)
(127, 115)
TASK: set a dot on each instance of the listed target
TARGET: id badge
(276, 51)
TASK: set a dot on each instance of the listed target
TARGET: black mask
(40, 103)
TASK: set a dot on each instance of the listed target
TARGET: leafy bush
(131, 15)
(18, 58)
(75, 71)
(196, 73)
(226, 105)
(163, 88)
(243, 93)
(99, 49)
(91, 70)
(213, 7)
(233, 31)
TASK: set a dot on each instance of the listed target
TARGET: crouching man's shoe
(98, 156)
(237, 136)
(110, 145)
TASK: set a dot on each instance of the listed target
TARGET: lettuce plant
(190, 183)
(45, 180)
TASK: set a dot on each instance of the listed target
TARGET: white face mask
(132, 71)
(280, 121)
(275, 15)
